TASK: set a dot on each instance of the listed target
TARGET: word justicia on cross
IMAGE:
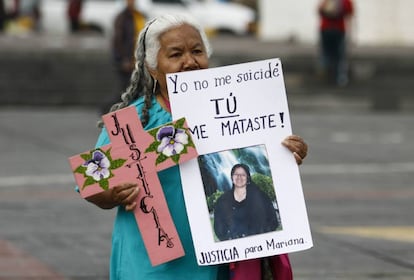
(136, 155)
(137, 158)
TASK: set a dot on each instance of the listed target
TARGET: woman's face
(239, 177)
(181, 49)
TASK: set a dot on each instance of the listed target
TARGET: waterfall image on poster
(240, 192)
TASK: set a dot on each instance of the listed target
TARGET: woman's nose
(190, 62)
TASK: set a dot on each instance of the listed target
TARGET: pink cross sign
(136, 155)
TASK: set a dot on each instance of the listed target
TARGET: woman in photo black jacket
(244, 210)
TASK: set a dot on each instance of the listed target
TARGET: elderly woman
(166, 44)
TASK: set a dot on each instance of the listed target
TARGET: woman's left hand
(297, 146)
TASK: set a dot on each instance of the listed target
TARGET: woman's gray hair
(146, 52)
(157, 26)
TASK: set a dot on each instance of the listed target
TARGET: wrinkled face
(181, 49)
(239, 177)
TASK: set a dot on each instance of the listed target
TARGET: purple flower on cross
(172, 140)
(98, 166)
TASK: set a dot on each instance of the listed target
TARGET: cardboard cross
(136, 155)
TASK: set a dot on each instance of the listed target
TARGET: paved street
(357, 182)
(357, 179)
(358, 186)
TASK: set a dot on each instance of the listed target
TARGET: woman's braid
(141, 83)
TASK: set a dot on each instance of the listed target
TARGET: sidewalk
(44, 70)
(226, 45)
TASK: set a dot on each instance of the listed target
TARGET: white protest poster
(238, 116)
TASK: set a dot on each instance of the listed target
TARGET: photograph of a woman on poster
(244, 210)
(241, 200)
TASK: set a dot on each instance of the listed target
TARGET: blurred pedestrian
(74, 12)
(29, 14)
(21, 16)
(334, 15)
(2, 15)
(76, 24)
(8, 14)
(128, 23)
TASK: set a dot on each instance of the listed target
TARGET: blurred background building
(376, 22)
(381, 34)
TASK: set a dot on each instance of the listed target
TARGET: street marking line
(358, 168)
(400, 233)
(310, 169)
(36, 180)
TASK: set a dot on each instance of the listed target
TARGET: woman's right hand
(124, 194)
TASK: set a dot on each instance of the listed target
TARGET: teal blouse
(129, 259)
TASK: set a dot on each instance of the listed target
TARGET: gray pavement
(357, 183)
